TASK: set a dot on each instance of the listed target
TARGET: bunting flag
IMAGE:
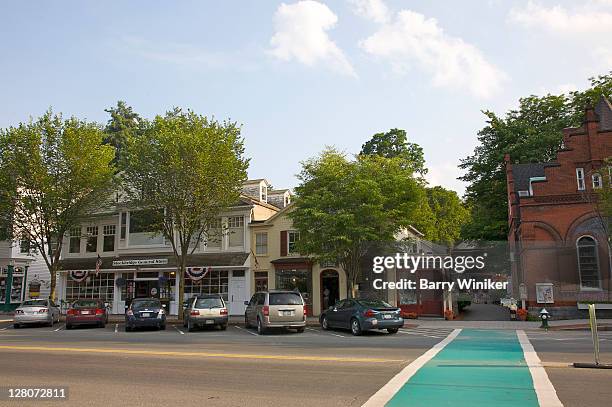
(78, 275)
(197, 273)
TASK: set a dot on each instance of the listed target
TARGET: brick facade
(552, 212)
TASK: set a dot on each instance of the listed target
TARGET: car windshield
(146, 304)
(374, 304)
(34, 303)
(86, 304)
(285, 299)
(209, 303)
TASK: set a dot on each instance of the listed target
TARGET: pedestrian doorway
(330, 288)
(148, 288)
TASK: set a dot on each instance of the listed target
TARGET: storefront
(121, 280)
(12, 285)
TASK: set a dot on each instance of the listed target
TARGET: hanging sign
(79, 275)
(197, 273)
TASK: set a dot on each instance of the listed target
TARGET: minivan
(276, 309)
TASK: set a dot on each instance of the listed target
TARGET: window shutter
(283, 242)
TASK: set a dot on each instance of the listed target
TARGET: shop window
(142, 228)
(235, 226)
(108, 244)
(100, 287)
(261, 281)
(292, 238)
(261, 243)
(92, 239)
(74, 244)
(588, 262)
(300, 280)
(214, 282)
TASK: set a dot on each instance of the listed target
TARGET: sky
(303, 75)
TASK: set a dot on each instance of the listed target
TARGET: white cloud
(413, 39)
(445, 175)
(590, 18)
(301, 34)
(374, 10)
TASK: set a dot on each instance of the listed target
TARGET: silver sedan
(36, 312)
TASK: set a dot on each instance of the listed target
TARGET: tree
(185, 169)
(394, 144)
(123, 125)
(531, 133)
(449, 215)
(343, 206)
(58, 172)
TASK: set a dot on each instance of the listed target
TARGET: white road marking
(326, 333)
(4, 329)
(178, 330)
(547, 396)
(58, 329)
(116, 328)
(382, 396)
(338, 335)
(245, 330)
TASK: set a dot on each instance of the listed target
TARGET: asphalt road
(236, 367)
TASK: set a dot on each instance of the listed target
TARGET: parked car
(276, 309)
(36, 312)
(205, 310)
(87, 312)
(362, 315)
(145, 312)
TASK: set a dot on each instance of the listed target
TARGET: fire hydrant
(544, 316)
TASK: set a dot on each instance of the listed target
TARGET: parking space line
(245, 330)
(116, 328)
(4, 329)
(178, 330)
(59, 329)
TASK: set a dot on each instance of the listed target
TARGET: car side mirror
(246, 303)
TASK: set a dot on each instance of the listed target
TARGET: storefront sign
(139, 262)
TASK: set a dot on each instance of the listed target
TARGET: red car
(87, 312)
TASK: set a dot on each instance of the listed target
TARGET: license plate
(387, 316)
(210, 321)
(145, 314)
(85, 312)
(287, 313)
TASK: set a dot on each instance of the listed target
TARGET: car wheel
(127, 328)
(102, 325)
(260, 328)
(16, 326)
(190, 327)
(392, 330)
(355, 327)
(68, 326)
(223, 327)
(162, 327)
(300, 330)
(324, 323)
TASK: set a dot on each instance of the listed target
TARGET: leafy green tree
(189, 168)
(343, 206)
(449, 215)
(531, 133)
(58, 172)
(394, 144)
(123, 125)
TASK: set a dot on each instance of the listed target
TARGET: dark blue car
(145, 312)
(362, 315)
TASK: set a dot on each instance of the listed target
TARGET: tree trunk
(53, 274)
(181, 288)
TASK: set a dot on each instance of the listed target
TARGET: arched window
(597, 181)
(588, 262)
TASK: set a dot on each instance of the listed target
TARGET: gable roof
(522, 173)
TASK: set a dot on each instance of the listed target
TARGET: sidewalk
(554, 325)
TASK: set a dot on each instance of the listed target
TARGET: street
(239, 368)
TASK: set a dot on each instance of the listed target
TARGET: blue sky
(301, 75)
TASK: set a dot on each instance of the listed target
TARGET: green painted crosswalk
(477, 368)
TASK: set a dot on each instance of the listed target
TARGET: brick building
(558, 235)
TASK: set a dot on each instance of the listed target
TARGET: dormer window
(287, 200)
(597, 181)
(263, 195)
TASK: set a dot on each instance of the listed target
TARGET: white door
(237, 295)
